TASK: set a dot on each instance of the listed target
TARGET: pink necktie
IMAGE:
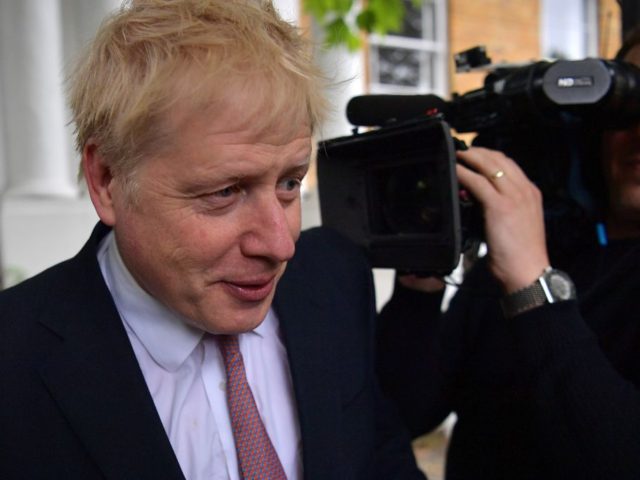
(257, 458)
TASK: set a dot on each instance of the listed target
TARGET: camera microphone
(381, 110)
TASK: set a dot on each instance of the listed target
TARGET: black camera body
(393, 190)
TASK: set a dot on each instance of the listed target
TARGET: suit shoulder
(36, 282)
(63, 279)
(24, 300)
(327, 245)
(333, 261)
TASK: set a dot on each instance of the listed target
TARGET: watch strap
(525, 299)
(552, 286)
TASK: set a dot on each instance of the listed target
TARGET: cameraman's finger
(477, 183)
(493, 165)
(514, 227)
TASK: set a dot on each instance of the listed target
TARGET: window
(569, 29)
(414, 60)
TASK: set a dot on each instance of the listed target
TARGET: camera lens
(410, 199)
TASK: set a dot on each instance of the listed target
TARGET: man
(544, 385)
(175, 344)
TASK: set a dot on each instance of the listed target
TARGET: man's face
(215, 218)
(621, 157)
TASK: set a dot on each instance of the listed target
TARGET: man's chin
(236, 321)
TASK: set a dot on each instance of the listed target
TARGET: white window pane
(413, 60)
(568, 28)
(397, 66)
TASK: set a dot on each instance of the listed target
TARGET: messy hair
(152, 54)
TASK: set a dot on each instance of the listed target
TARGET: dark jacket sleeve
(349, 290)
(423, 353)
(588, 413)
(409, 358)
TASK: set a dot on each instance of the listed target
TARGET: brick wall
(609, 28)
(510, 29)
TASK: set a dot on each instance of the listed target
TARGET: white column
(2, 135)
(36, 150)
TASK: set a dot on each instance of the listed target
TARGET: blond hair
(151, 54)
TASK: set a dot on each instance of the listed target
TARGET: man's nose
(271, 233)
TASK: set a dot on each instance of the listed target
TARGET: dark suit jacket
(74, 403)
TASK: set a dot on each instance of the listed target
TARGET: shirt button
(222, 386)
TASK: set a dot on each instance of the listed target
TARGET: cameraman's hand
(513, 216)
(424, 284)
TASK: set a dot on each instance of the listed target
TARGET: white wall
(44, 217)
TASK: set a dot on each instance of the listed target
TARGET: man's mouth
(253, 290)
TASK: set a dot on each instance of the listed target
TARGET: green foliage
(11, 276)
(338, 32)
(343, 20)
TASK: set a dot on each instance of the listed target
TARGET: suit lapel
(95, 379)
(308, 333)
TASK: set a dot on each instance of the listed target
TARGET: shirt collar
(165, 334)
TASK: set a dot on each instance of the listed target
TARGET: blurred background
(45, 215)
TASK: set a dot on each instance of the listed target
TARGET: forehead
(243, 107)
(209, 148)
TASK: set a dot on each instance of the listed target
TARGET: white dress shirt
(185, 374)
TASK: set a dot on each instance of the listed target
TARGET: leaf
(339, 33)
(321, 9)
(366, 20)
(315, 8)
(388, 15)
(343, 6)
(379, 16)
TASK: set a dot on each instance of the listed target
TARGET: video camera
(393, 189)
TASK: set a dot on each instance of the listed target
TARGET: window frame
(433, 55)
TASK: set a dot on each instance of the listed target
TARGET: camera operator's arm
(410, 355)
(422, 352)
(424, 284)
(587, 415)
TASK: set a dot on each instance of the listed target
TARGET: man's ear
(100, 182)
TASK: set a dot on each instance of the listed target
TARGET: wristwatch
(551, 287)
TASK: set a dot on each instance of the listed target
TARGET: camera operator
(545, 384)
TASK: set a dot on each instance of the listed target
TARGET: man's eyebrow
(301, 167)
(194, 186)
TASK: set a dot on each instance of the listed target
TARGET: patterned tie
(257, 458)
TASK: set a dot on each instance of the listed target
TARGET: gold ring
(497, 174)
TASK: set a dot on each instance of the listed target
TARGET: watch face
(560, 285)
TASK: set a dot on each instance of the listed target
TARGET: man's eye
(291, 184)
(222, 198)
(227, 191)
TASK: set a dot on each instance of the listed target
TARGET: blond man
(197, 334)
